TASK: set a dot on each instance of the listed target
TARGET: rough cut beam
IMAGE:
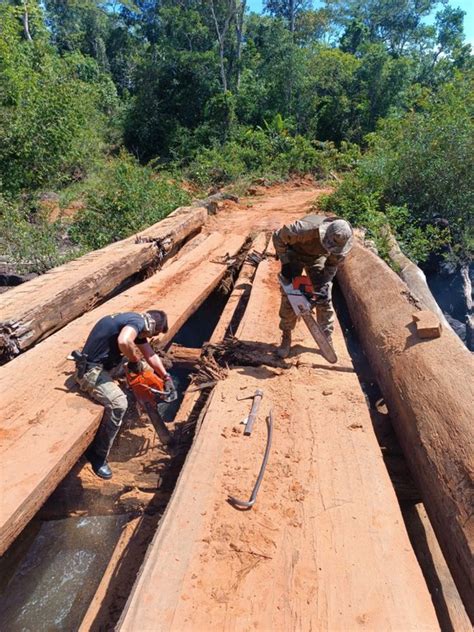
(240, 292)
(428, 386)
(45, 426)
(34, 310)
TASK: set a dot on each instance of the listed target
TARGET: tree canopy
(213, 91)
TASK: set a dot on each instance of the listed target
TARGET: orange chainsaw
(149, 390)
(303, 298)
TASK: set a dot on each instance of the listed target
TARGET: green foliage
(28, 241)
(125, 199)
(421, 162)
(207, 90)
(270, 151)
(398, 24)
(51, 111)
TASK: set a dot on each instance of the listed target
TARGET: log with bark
(46, 424)
(237, 301)
(429, 389)
(467, 291)
(36, 309)
(413, 276)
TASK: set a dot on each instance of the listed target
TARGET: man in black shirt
(112, 338)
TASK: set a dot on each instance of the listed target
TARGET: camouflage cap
(338, 237)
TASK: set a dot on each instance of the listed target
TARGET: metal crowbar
(243, 504)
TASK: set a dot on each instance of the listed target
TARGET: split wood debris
(427, 324)
(42, 415)
(326, 532)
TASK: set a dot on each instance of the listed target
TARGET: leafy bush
(28, 241)
(125, 199)
(261, 152)
(52, 110)
(421, 163)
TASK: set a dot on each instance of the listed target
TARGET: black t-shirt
(102, 344)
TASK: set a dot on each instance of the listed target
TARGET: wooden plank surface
(37, 308)
(428, 387)
(45, 426)
(324, 547)
(241, 290)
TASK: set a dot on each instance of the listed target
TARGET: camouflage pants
(324, 311)
(100, 386)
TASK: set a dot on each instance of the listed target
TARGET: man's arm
(126, 343)
(289, 234)
(153, 359)
(325, 270)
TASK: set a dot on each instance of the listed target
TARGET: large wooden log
(447, 602)
(46, 424)
(324, 548)
(429, 389)
(34, 310)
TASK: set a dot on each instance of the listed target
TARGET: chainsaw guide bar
(302, 308)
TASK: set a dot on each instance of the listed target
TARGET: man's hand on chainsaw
(320, 296)
(170, 388)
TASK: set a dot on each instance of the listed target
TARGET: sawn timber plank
(324, 548)
(45, 426)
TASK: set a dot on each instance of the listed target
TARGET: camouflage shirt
(302, 241)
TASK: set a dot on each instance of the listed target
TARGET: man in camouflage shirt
(316, 244)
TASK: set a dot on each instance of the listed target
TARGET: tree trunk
(413, 276)
(429, 390)
(221, 33)
(467, 290)
(26, 24)
(32, 311)
(239, 29)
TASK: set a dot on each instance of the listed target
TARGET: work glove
(170, 389)
(321, 295)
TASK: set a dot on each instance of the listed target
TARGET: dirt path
(268, 209)
(325, 546)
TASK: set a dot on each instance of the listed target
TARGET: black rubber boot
(99, 464)
(283, 350)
